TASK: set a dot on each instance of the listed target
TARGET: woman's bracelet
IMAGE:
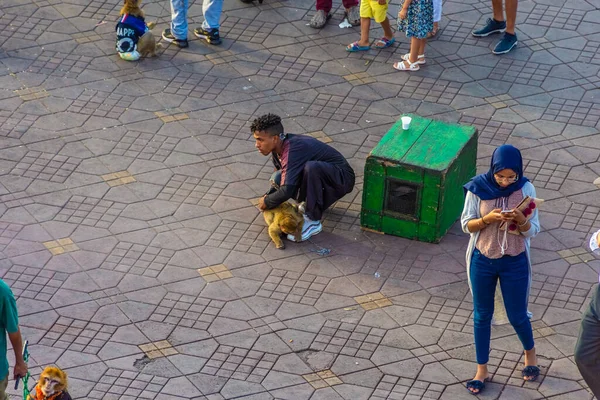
(483, 220)
(524, 223)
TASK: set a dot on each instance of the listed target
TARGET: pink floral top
(491, 237)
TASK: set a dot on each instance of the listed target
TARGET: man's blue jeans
(179, 25)
(513, 273)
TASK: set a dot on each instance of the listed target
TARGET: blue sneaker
(309, 229)
(507, 43)
(491, 26)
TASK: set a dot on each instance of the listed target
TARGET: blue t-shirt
(129, 29)
(9, 323)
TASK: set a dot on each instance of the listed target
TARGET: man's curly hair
(269, 123)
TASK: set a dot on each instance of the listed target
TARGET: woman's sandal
(530, 373)
(477, 385)
(401, 66)
(420, 58)
(384, 43)
(354, 47)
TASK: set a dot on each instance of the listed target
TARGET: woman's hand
(403, 12)
(516, 216)
(494, 216)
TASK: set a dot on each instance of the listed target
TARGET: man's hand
(20, 369)
(261, 204)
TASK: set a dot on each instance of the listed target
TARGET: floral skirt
(419, 19)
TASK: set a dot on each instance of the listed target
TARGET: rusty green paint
(436, 156)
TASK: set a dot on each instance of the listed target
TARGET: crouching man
(307, 170)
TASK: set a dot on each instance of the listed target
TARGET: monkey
(51, 386)
(284, 218)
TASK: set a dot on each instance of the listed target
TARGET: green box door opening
(413, 179)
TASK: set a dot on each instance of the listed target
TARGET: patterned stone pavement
(128, 230)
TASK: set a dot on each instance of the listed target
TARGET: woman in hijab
(493, 255)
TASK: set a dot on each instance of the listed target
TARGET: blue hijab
(485, 185)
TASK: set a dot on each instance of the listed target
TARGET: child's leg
(387, 29)
(422, 43)
(365, 25)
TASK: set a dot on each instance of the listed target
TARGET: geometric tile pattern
(189, 190)
(46, 166)
(137, 259)
(582, 218)
(188, 311)
(294, 287)
(71, 110)
(60, 246)
(145, 146)
(392, 387)
(238, 363)
(322, 379)
(78, 335)
(116, 383)
(90, 212)
(446, 314)
(215, 273)
(348, 339)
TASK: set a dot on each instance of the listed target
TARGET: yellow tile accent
(576, 255)
(61, 246)
(215, 273)
(167, 117)
(320, 135)
(118, 178)
(372, 301)
(158, 349)
(33, 93)
(322, 379)
(360, 78)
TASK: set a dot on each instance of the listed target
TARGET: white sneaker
(309, 229)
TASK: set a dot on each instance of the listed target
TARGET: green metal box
(413, 184)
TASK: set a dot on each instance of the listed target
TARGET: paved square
(129, 231)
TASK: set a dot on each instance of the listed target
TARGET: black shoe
(168, 36)
(211, 36)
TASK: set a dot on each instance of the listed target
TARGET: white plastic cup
(406, 122)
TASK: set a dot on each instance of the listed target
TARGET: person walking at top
(587, 350)
(9, 323)
(415, 19)
(307, 170)
(497, 24)
(209, 31)
(376, 9)
(323, 14)
(495, 255)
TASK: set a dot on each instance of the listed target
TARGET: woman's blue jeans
(513, 273)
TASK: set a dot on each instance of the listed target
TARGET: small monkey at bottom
(51, 386)
(284, 218)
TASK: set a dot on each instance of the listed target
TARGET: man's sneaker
(168, 36)
(491, 26)
(507, 43)
(211, 35)
(309, 229)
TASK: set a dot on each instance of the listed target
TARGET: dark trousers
(326, 5)
(322, 185)
(513, 273)
(587, 349)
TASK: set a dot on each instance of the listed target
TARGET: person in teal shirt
(9, 323)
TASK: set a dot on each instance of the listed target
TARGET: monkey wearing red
(51, 386)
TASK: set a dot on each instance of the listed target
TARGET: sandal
(354, 47)
(477, 385)
(401, 66)
(420, 58)
(384, 43)
(531, 372)
(319, 20)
